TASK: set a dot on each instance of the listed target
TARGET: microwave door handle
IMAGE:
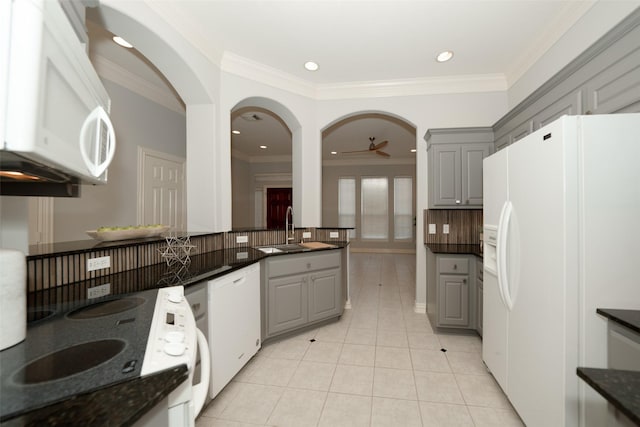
(98, 115)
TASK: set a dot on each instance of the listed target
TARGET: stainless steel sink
(274, 249)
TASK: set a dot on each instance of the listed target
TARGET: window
(374, 208)
(347, 204)
(403, 208)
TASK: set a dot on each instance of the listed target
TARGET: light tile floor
(380, 365)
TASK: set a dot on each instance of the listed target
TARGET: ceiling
(356, 42)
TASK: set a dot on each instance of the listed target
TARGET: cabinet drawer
(453, 265)
(302, 263)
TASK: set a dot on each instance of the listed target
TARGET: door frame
(143, 154)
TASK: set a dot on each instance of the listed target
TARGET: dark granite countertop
(452, 248)
(626, 318)
(103, 344)
(105, 388)
(620, 388)
(121, 404)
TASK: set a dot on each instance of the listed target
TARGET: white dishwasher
(234, 323)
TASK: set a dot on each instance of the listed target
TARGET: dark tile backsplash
(57, 269)
(464, 225)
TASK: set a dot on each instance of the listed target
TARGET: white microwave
(56, 121)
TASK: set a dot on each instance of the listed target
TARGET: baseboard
(420, 308)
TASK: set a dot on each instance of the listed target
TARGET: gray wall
(138, 121)
(330, 175)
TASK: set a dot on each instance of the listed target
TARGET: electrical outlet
(432, 229)
(98, 263)
(445, 228)
(99, 291)
(306, 234)
(333, 234)
(242, 239)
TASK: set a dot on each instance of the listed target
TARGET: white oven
(173, 340)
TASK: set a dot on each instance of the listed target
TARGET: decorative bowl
(127, 234)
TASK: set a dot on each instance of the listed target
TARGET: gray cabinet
(453, 300)
(455, 166)
(301, 289)
(604, 79)
(451, 296)
(287, 303)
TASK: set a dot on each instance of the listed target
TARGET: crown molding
(252, 70)
(109, 70)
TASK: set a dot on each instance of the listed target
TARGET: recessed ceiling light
(311, 66)
(334, 153)
(444, 56)
(263, 147)
(122, 42)
(413, 150)
(235, 132)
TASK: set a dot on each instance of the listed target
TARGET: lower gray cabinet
(287, 302)
(300, 289)
(453, 300)
(324, 295)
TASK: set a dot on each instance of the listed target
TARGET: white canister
(13, 297)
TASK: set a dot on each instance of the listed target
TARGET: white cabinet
(455, 166)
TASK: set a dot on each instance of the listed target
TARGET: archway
(195, 79)
(369, 180)
(258, 174)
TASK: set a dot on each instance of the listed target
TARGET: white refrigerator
(562, 238)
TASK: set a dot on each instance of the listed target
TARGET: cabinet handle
(455, 266)
(457, 202)
(464, 281)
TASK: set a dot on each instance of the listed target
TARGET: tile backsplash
(464, 225)
(48, 270)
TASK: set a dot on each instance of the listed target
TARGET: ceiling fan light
(311, 66)
(444, 56)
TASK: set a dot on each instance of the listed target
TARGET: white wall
(137, 121)
(602, 17)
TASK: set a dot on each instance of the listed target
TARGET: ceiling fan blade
(383, 154)
(357, 151)
(379, 146)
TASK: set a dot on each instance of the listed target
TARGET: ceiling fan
(373, 148)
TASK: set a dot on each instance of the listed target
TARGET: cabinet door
(570, 104)
(472, 155)
(324, 294)
(287, 303)
(446, 175)
(453, 298)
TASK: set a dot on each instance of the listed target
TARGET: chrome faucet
(286, 225)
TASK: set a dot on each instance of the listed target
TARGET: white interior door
(161, 194)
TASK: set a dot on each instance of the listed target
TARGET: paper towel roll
(13, 297)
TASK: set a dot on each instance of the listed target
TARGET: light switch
(432, 229)
(242, 239)
(445, 228)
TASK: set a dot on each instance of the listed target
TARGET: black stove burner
(70, 361)
(106, 308)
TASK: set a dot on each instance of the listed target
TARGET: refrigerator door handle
(502, 249)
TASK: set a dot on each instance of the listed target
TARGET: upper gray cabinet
(604, 79)
(455, 166)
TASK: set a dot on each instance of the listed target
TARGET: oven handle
(201, 389)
